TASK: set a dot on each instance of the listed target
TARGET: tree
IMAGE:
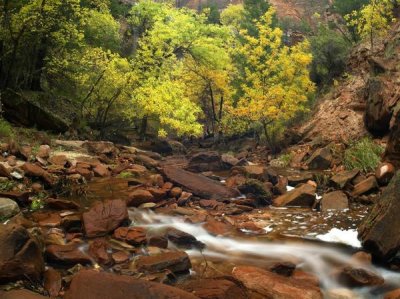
(372, 20)
(276, 84)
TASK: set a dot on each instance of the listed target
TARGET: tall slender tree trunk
(143, 128)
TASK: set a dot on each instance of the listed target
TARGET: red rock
(138, 197)
(4, 172)
(156, 180)
(100, 147)
(184, 198)
(104, 217)
(26, 152)
(86, 173)
(20, 254)
(343, 178)
(336, 200)
(271, 285)
(304, 195)
(89, 284)
(384, 173)
(198, 184)
(99, 250)
(62, 204)
(217, 228)
(157, 193)
(234, 181)
(147, 161)
(357, 277)
(21, 294)
(47, 219)
(34, 170)
(217, 288)
(52, 282)
(161, 242)
(366, 186)
(321, 159)
(58, 160)
(174, 261)
(175, 192)
(120, 168)
(168, 186)
(362, 257)
(183, 239)
(67, 254)
(306, 277)
(44, 151)
(393, 294)
(206, 161)
(135, 236)
(120, 257)
(101, 171)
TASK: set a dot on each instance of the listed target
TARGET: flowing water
(315, 257)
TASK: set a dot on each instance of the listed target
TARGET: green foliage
(330, 51)
(364, 154)
(285, 159)
(345, 7)
(125, 175)
(37, 201)
(6, 129)
(7, 185)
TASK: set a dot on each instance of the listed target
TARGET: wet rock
(217, 288)
(47, 219)
(362, 257)
(158, 241)
(104, 217)
(34, 170)
(336, 200)
(67, 254)
(251, 171)
(395, 294)
(91, 284)
(271, 285)
(21, 294)
(198, 184)
(357, 277)
(281, 186)
(384, 173)
(321, 159)
(174, 261)
(135, 236)
(341, 179)
(392, 152)
(183, 239)
(100, 251)
(342, 294)
(303, 196)
(283, 268)
(380, 230)
(52, 282)
(184, 198)
(217, 228)
(8, 208)
(20, 254)
(366, 186)
(157, 193)
(71, 223)
(140, 196)
(120, 257)
(235, 181)
(306, 277)
(175, 192)
(255, 189)
(62, 204)
(206, 161)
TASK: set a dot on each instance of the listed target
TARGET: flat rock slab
(199, 185)
(20, 294)
(89, 284)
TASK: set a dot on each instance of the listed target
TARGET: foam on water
(314, 257)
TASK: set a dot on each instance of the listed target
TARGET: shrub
(285, 159)
(363, 154)
(6, 129)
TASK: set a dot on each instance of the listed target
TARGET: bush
(364, 155)
(6, 129)
(330, 51)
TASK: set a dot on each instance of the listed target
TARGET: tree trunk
(143, 128)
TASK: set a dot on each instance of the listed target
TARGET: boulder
(336, 200)
(384, 173)
(271, 285)
(229, 160)
(67, 254)
(90, 284)
(359, 277)
(183, 239)
(140, 196)
(101, 171)
(52, 282)
(380, 230)
(58, 160)
(8, 208)
(20, 254)
(198, 185)
(174, 261)
(104, 217)
(303, 196)
(206, 161)
(100, 251)
(321, 159)
(366, 186)
(256, 189)
(341, 179)
(34, 170)
(299, 178)
(44, 151)
(100, 147)
(216, 288)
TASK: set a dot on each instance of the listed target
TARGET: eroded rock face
(90, 284)
(20, 254)
(104, 217)
(380, 231)
(271, 285)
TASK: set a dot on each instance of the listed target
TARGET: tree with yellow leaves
(373, 19)
(276, 85)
